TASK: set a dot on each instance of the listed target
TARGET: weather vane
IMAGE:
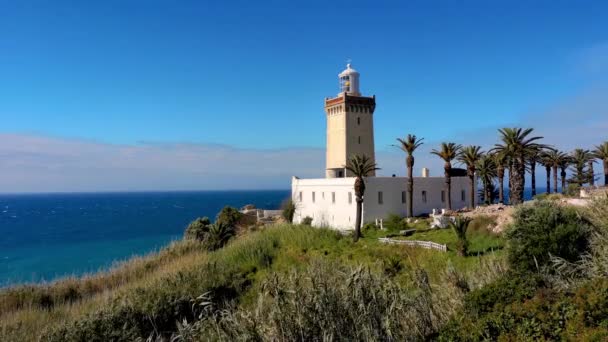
(348, 61)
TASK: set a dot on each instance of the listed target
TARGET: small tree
(460, 226)
(289, 209)
(197, 229)
(229, 216)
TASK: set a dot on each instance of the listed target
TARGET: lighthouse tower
(350, 124)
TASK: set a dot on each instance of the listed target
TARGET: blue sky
(250, 77)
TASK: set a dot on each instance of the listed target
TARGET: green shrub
(229, 216)
(307, 221)
(212, 236)
(289, 209)
(573, 190)
(394, 222)
(506, 290)
(197, 229)
(460, 226)
(543, 230)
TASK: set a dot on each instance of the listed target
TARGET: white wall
(341, 214)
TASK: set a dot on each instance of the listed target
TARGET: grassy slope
(183, 270)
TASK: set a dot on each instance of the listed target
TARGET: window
(323, 195)
(380, 199)
(442, 196)
(358, 121)
(340, 174)
(463, 195)
(402, 196)
(313, 197)
(350, 198)
(333, 197)
(359, 139)
(300, 196)
(424, 197)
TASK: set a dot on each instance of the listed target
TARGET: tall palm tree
(517, 145)
(409, 145)
(448, 152)
(486, 172)
(533, 159)
(360, 166)
(555, 159)
(601, 152)
(580, 158)
(500, 160)
(469, 156)
(546, 162)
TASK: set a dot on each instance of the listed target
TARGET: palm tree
(448, 152)
(546, 162)
(469, 156)
(590, 169)
(486, 172)
(580, 158)
(409, 145)
(601, 152)
(556, 160)
(360, 166)
(517, 145)
(500, 160)
(460, 226)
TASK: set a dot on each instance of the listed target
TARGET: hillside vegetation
(287, 282)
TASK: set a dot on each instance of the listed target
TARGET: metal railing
(416, 243)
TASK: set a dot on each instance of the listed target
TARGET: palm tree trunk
(591, 175)
(548, 169)
(359, 201)
(448, 184)
(472, 195)
(554, 178)
(516, 191)
(533, 179)
(410, 186)
(501, 181)
(563, 174)
(605, 172)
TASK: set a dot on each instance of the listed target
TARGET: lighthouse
(350, 124)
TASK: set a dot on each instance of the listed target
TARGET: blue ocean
(46, 236)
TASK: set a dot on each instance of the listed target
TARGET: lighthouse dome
(349, 81)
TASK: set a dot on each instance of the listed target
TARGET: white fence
(416, 243)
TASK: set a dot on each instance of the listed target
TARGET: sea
(47, 236)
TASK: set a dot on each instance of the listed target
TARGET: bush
(395, 222)
(229, 216)
(573, 190)
(506, 290)
(543, 230)
(197, 229)
(289, 209)
(212, 236)
(307, 221)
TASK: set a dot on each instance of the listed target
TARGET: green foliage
(229, 216)
(329, 301)
(546, 229)
(394, 223)
(549, 315)
(197, 229)
(460, 226)
(510, 288)
(307, 221)
(212, 236)
(289, 209)
(573, 190)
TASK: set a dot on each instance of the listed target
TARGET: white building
(331, 202)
